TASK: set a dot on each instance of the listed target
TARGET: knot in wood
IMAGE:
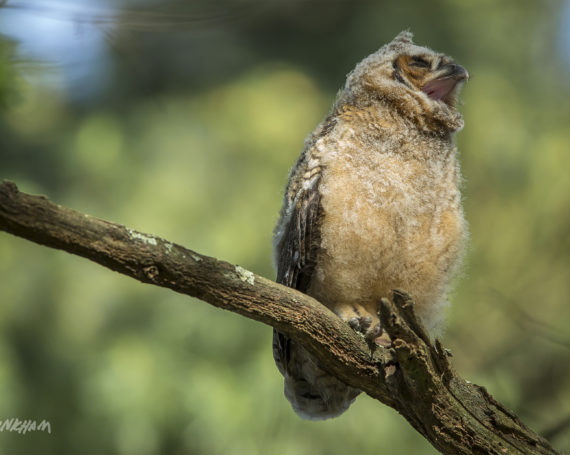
(151, 272)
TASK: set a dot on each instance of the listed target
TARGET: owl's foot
(365, 326)
(364, 321)
(360, 323)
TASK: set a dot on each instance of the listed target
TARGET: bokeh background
(182, 119)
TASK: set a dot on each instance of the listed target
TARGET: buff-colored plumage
(373, 204)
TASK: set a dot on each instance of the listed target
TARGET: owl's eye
(419, 62)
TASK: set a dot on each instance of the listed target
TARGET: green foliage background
(192, 139)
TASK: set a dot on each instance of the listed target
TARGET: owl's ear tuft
(403, 38)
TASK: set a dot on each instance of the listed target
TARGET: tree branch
(413, 376)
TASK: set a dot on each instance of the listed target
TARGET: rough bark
(413, 375)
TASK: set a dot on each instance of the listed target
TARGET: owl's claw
(373, 333)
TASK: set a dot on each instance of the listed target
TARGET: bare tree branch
(413, 376)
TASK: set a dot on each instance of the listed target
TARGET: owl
(372, 204)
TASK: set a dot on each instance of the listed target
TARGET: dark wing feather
(296, 255)
(297, 250)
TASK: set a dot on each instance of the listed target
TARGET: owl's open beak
(458, 72)
(445, 87)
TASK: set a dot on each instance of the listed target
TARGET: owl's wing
(296, 254)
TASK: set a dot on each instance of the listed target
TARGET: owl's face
(438, 76)
(421, 84)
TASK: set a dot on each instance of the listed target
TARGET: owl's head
(421, 84)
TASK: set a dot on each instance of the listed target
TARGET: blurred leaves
(7, 73)
(192, 138)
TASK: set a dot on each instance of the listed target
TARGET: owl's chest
(401, 196)
(386, 215)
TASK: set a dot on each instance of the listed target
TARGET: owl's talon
(373, 333)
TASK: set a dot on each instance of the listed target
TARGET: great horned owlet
(373, 204)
